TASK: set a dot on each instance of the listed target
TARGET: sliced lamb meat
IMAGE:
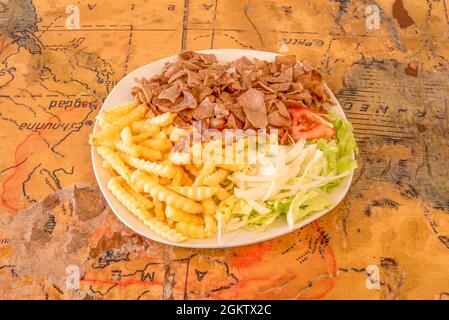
(171, 93)
(295, 87)
(226, 98)
(289, 60)
(278, 115)
(217, 123)
(231, 123)
(205, 110)
(280, 86)
(272, 68)
(147, 90)
(304, 96)
(293, 103)
(192, 77)
(313, 81)
(270, 96)
(190, 66)
(186, 114)
(276, 119)
(261, 65)
(173, 69)
(208, 58)
(282, 109)
(224, 79)
(141, 97)
(177, 75)
(237, 111)
(248, 125)
(186, 55)
(253, 105)
(204, 92)
(244, 93)
(189, 100)
(220, 111)
(256, 75)
(260, 84)
(160, 78)
(180, 123)
(284, 76)
(209, 80)
(245, 82)
(165, 105)
(242, 65)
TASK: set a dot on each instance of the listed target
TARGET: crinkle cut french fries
(176, 201)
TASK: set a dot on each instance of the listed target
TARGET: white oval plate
(121, 94)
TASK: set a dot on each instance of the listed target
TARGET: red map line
(6, 202)
(16, 162)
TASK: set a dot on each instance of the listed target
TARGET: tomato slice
(309, 124)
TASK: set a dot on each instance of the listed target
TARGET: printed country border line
(83, 121)
(145, 278)
(4, 201)
(128, 50)
(14, 166)
(226, 35)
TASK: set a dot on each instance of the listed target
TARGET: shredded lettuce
(338, 151)
(334, 158)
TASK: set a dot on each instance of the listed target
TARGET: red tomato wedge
(309, 124)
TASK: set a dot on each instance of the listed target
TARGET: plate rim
(197, 244)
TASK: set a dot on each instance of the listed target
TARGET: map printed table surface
(387, 61)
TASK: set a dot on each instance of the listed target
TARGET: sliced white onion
(258, 207)
(239, 176)
(294, 152)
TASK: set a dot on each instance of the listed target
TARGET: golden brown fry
(132, 204)
(194, 171)
(232, 166)
(146, 203)
(210, 224)
(209, 206)
(191, 230)
(194, 192)
(159, 209)
(130, 149)
(114, 160)
(145, 183)
(162, 120)
(117, 126)
(215, 178)
(108, 167)
(150, 154)
(205, 171)
(143, 128)
(126, 135)
(158, 169)
(222, 194)
(122, 109)
(179, 215)
(158, 143)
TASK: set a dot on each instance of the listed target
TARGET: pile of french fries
(176, 201)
